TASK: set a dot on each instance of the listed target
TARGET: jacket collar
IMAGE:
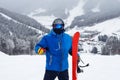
(54, 34)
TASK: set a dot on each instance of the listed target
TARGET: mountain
(96, 12)
(18, 18)
(43, 16)
(18, 32)
(93, 18)
(98, 22)
(85, 13)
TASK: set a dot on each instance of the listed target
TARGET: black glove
(79, 70)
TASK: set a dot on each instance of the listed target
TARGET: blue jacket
(58, 47)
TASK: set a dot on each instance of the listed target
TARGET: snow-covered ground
(27, 67)
(107, 27)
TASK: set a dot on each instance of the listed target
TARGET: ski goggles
(58, 26)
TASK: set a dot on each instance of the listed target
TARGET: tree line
(16, 34)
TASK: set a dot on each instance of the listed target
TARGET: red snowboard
(75, 42)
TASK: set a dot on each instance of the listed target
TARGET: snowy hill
(19, 19)
(18, 32)
(97, 12)
(109, 28)
(44, 20)
(3, 54)
(85, 13)
(33, 67)
(48, 19)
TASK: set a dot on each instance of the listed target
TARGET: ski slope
(27, 67)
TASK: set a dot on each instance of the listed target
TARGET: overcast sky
(104, 5)
(22, 6)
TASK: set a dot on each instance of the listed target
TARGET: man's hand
(41, 51)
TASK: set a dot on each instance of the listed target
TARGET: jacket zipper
(50, 62)
(60, 43)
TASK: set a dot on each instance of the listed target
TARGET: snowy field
(27, 67)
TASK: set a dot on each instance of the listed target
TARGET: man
(56, 45)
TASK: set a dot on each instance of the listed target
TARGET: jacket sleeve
(41, 44)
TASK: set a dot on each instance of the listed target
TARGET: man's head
(58, 26)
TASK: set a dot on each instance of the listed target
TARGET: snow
(101, 68)
(107, 27)
(73, 30)
(26, 67)
(77, 11)
(44, 20)
(2, 54)
(7, 17)
(21, 67)
(96, 9)
(40, 10)
(47, 20)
